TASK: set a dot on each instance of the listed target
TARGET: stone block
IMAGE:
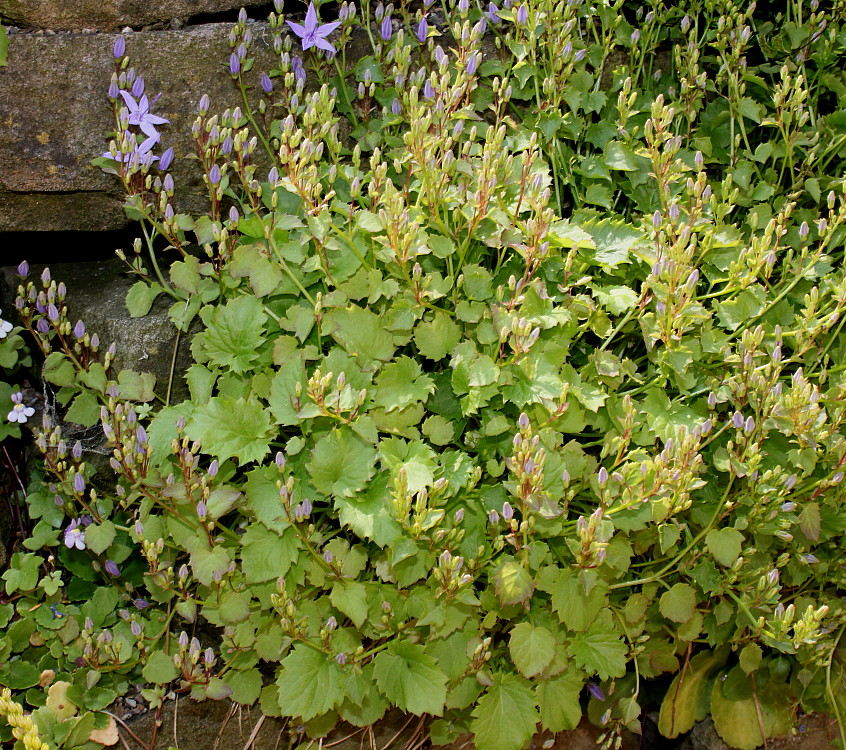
(55, 117)
(109, 15)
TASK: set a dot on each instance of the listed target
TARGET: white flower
(5, 328)
(74, 535)
(20, 412)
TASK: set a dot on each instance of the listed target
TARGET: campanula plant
(525, 393)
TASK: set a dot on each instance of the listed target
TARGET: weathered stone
(109, 15)
(55, 117)
(97, 296)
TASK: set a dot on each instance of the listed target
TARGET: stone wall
(55, 117)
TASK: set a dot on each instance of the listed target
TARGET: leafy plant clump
(527, 392)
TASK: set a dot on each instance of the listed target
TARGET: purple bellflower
(313, 33)
(74, 535)
(140, 115)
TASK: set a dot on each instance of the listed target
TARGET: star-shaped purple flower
(314, 34)
(140, 115)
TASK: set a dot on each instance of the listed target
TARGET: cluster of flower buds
(593, 535)
(102, 650)
(448, 574)
(526, 464)
(286, 608)
(192, 661)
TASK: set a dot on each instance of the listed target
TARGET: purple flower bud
(737, 420)
(307, 507)
(463, 6)
(712, 400)
(79, 329)
(656, 219)
(837, 478)
(422, 31)
(138, 87)
(493, 14)
(459, 515)
(803, 230)
(114, 91)
(266, 83)
(602, 476)
(52, 312)
(79, 482)
(522, 15)
(396, 107)
(273, 176)
(111, 568)
(507, 511)
(580, 55)
(472, 64)
(167, 159)
(43, 326)
(214, 174)
(234, 64)
(23, 269)
(135, 628)
(790, 482)
(428, 90)
(280, 460)
(168, 184)
(387, 29)
(523, 421)
(141, 604)
(202, 510)
(328, 556)
(493, 518)
(45, 276)
(341, 659)
(234, 216)
(749, 425)
(119, 50)
(203, 106)
(595, 691)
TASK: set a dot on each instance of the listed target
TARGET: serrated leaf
(532, 648)
(266, 554)
(505, 717)
(233, 333)
(140, 298)
(185, 274)
(616, 299)
(159, 668)
(309, 683)
(574, 607)
(234, 606)
(679, 603)
(402, 383)
(688, 697)
(558, 701)
(265, 276)
(341, 463)
(229, 427)
(410, 678)
(436, 338)
(513, 583)
(614, 240)
(725, 545)
(360, 332)
(351, 598)
(599, 652)
(245, 685)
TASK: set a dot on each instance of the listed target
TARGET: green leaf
(616, 299)
(614, 240)
(99, 537)
(401, 383)
(265, 276)
(266, 554)
(436, 338)
(309, 683)
(505, 718)
(679, 603)
(513, 584)
(137, 386)
(185, 274)
(532, 648)
(85, 409)
(140, 298)
(234, 606)
(688, 697)
(22, 574)
(58, 369)
(361, 333)
(370, 514)
(341, 463)
(410, 678)
(725, 545)
(229, 427)
(558, 701)
(575, 608)
(234, 333)
(738, 722)
(599, 652)
(4, 47)
(440, 431)
(206, 562)
(159, 668)
(283, 391)
(350, 597)
(245, 685)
